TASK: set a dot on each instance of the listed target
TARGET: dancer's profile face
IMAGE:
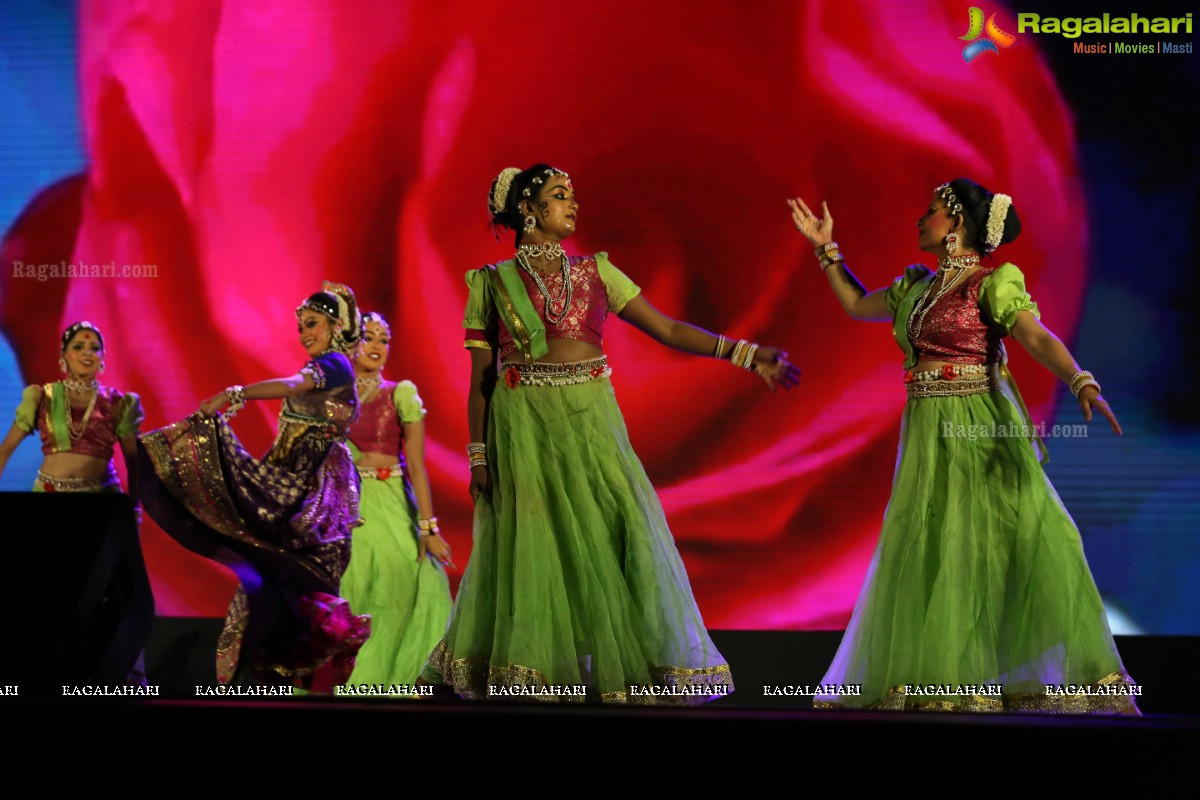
(316, 332)
(373, 352)
(934, 225)
(84, 355)
(555, 208)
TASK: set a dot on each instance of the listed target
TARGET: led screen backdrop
(232, 155)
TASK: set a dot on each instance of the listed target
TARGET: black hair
(510, 216)
(76, 327)
(976, 203)
(374, 316)
(324, 302)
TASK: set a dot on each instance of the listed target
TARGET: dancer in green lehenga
(574, 580)
(398, 557)
(979, 584)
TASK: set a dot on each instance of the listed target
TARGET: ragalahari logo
(995, 37)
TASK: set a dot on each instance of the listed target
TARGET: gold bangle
(748, 362)
(735, 355)
(827, 261)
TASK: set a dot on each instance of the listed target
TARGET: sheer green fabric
(979, 576)
(574, 578)
(409, 601)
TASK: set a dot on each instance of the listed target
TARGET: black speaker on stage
(79, 606)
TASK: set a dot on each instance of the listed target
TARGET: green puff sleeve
(408, 402)
(617, 285)
(903, 285)
(130, 416)
(1002, 296)
(27, 411)
(480, 308)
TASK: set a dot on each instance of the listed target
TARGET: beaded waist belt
(542, 374)
(381, 473)
(49, 483)
(953, 380)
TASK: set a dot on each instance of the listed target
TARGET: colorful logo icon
(989, 43)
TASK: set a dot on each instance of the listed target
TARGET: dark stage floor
(180, 657)
(780, 734)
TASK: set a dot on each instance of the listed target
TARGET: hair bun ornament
(997, 215)
(347, 310)
(498, 197)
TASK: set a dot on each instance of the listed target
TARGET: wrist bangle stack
(477, 454)
(829, 254)
(428, 527)
(1081, 380)
(743, 354)
(720, 346)
(236, 396)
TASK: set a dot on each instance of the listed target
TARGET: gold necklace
(76, 432)
(367, 384)
(919, 312)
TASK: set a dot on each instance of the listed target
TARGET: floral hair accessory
(498, 199)
(997, 213)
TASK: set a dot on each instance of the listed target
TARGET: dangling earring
(530, 223)
(951, 243)
(62, 365)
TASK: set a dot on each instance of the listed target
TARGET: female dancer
(390, 578)
(574, 579)
(80, 423)
(281, 523)
(79, 420)
(979, 579)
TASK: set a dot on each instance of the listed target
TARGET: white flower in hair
(997, 213)
(499, 197)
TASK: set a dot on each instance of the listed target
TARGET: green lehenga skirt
(574, 580)
(408, 600)
(978, 597)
